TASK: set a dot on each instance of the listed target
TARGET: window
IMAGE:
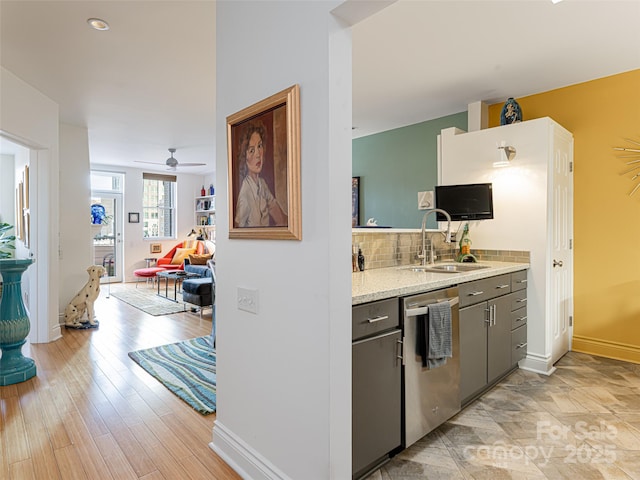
(158, 205)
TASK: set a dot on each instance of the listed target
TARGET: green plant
(6, 241)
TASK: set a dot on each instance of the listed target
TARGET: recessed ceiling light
(98, 24)
(555, 1)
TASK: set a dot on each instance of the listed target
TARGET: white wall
(137, 248)
(284, 374)
(75, 234)
(520, 203)
(29, 118)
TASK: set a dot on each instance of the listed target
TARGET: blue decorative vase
(511, 112)
(14, 324)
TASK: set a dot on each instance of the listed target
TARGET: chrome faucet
(447, 236)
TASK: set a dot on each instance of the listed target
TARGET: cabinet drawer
(518, 318)
(518, 344)
(485, 289)
(518, 280)
(374, 317)
(518, 300)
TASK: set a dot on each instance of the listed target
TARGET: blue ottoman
(198, 291)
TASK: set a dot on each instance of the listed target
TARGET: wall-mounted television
(472, 201)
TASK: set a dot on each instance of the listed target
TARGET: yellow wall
(600, 114)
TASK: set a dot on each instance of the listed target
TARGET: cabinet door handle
(495, 314)
(521, 345)
(399, 347)
(502, 286)
(475, 294)
(488, 310)
(520, 319)
(557, 263)
(377, 319)
(522, 281)
(521, 300)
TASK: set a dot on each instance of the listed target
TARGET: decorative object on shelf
(14, 324)
(134, 217)
(263, 147)
(211, 189)
(634, 155)
(83, 301)
(155, 248)
(203, 192)
(511, 112)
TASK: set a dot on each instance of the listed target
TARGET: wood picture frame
(355, 201)
(263, 148)
(155, 248)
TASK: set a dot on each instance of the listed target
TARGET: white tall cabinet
(533, 211)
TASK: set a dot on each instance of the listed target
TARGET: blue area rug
(186, 368)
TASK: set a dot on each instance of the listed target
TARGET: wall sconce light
(506, 153)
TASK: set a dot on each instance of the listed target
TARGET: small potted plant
(7, 242)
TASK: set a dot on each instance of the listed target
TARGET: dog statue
(83, 301)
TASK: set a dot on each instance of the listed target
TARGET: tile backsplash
(392, 248)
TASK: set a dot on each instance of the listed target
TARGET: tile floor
(581, 423)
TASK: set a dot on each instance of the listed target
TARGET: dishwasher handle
(414, 312)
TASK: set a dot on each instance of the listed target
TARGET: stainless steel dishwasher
(430, 396)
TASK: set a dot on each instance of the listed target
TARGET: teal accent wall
(394, 166)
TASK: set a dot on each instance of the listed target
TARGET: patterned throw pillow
(195, 259)
(181, 254)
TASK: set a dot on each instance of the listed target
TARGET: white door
(561, 252)
(107, 238)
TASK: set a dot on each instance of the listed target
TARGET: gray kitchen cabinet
(473, 349)
(499, 338)
(376, 383)
(492, 331)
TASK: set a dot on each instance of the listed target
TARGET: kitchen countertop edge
(382, 283)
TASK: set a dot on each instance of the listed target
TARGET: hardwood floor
(93, 413)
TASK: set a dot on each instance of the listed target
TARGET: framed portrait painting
(263, 147)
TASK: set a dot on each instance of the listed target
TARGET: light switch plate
(248, 300)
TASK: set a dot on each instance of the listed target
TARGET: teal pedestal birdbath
(14, 324)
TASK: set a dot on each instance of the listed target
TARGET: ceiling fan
(172, 163)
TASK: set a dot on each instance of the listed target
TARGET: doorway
(106, 190)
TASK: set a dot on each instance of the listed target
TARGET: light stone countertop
(381, 283)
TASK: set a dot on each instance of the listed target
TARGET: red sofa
(166, 261)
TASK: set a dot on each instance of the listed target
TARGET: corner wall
(75, 236)
(284, 374)
(21, 104)
(600, 114)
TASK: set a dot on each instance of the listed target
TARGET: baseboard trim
(537, 363)
(56, 333)
(247, 463)
(604, 348)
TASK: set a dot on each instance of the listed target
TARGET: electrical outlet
(425, 200)
(248, 300)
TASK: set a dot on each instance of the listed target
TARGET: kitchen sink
(446, 267)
